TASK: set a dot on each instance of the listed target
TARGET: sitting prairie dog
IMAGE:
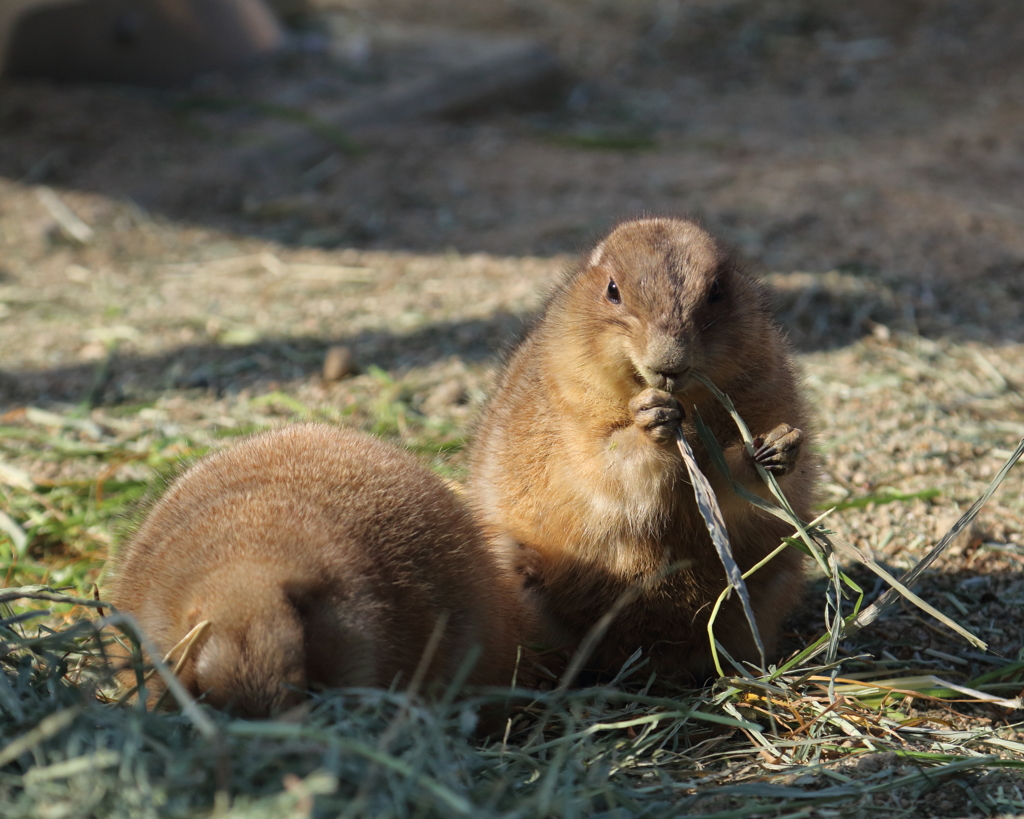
(575, 458)
(321, 557)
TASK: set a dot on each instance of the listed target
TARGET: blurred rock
(447, 395)
(338, 363)
(290, 10)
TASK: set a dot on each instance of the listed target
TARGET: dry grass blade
(185, 700)
(707, 503)
(186, 644)
(811, 539)
(855, 735)
(72, 226)
(49, 594)
(899, 588)
(784, 510)
(891, 597)
(48, 727)
(594, 635)
(427, 655)
(732, 753)
(820, 543)
(716, 647)
(16, 478)
(279, 730)
(927, 685)
(14, 531)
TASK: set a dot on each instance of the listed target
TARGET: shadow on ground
(879, 143)
(220, 369)
(984, 599)
(819, 312)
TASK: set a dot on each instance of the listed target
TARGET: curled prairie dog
(322, 557)
(575, 459)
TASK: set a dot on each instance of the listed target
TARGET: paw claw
(657, 413)
(779, 449)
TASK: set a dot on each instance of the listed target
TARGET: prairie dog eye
(612, 293)
(716, 293)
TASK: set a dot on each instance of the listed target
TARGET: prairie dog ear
(596, 256)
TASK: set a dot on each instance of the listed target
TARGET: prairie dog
(575, 458)
(322, 557)
(138, 42)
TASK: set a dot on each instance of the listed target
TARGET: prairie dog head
(660, 299)
(252, 658)
(253, 674)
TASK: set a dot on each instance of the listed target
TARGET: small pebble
(338, 363)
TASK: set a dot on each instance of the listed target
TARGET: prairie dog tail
(252, 660)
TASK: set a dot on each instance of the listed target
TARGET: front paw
(779, 449)
(657, 413)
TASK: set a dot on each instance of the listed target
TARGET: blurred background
(868, 156)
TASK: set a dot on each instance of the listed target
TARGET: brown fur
(139, 42)
(323, 557)
(575, 458)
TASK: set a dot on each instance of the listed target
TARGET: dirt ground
(867, 158)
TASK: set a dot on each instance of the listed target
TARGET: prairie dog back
(322, 557)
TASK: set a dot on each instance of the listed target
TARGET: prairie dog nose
(674, 373)
(670, 381)
(667, 356)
